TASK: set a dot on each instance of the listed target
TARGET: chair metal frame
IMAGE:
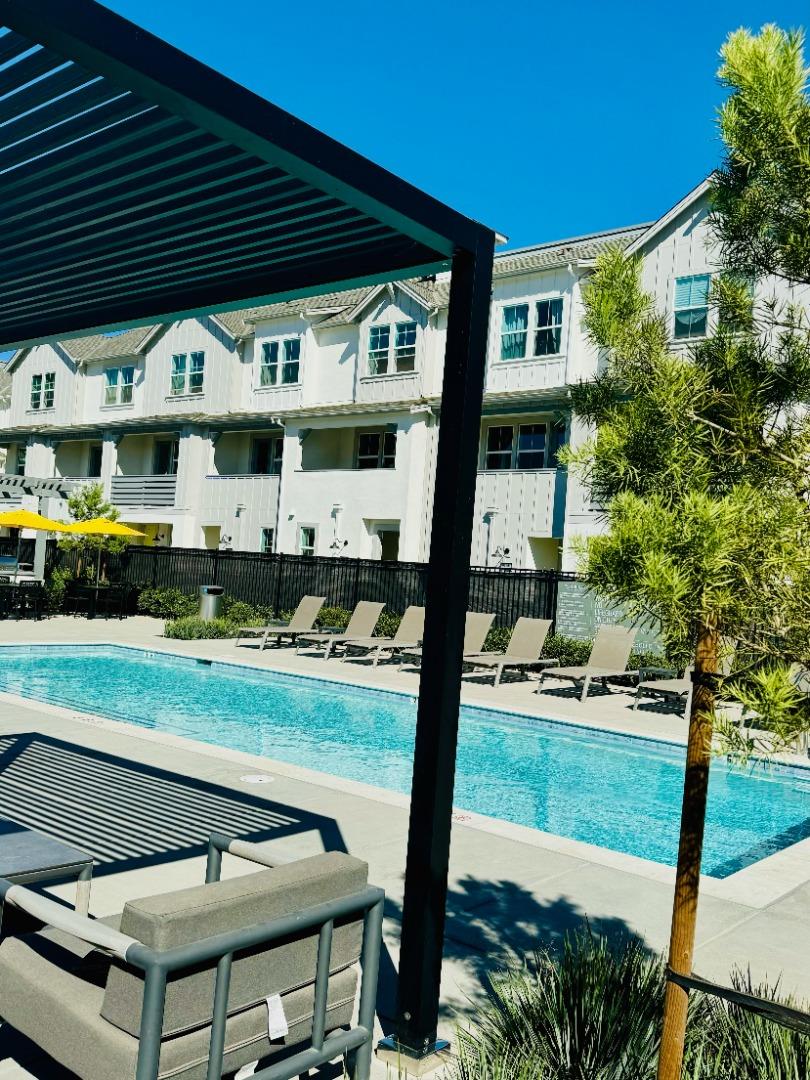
(357, 1041)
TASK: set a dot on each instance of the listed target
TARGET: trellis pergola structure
(138, 185)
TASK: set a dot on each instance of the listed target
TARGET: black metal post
(423, 916)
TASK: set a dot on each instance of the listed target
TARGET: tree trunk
(690, 850)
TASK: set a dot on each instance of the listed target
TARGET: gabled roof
(666, 219)
(110, 346)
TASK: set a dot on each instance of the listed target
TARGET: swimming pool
(616, 791)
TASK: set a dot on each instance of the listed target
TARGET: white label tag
(246, 1071)
(276, 1020)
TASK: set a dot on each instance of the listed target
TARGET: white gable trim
(390, 288)
(663, 222)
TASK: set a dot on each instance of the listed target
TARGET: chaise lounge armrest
(241, 849)
(62, 918)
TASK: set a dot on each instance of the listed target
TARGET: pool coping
(756, 886)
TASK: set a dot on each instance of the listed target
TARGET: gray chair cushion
(173, 919)
(51, 990)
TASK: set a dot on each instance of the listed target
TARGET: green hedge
(166, 603)
(192, 628)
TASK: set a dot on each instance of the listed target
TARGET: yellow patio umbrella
(27, 519)
(101, 527)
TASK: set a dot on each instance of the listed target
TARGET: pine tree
(701, 462)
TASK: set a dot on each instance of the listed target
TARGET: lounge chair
(303, 619)
(680, 689)
(476, 629)
(522, 652)
(408, 636)
(608, 660)
(255, 967)
(361, 625)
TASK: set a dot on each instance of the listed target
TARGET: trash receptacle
(210, 601)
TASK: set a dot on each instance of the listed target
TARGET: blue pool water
(616, 791)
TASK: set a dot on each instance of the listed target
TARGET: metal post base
(410, 1062)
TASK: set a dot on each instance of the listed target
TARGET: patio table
(28, 857)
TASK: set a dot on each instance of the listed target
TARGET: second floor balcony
(145, 490)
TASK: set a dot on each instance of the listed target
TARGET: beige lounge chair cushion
(51, 990)
(173, 919)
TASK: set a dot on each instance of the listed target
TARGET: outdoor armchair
(610, 654)
(408, 636)
(476, 628)
(361, 625)
(198, 983)
(303, 619)
(522, 652)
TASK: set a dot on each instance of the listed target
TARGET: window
(50, 389)
(36, 391)
(500, 443)
(118, 385)
(558, 438)
(546, 329)
(306, 540)
(196, 374)
(94, 460)
(380, 358)
(516, 447)
(267, 456)
(531, 446)
(548, 326)
(376, 449)
(691, 305)
(167, 455)
(22, 454)
(266, 541)
(288, 352)
(187, 365)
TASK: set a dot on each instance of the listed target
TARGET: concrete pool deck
(512, 889)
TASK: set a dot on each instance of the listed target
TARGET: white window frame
(22, 459)
(281, 363)
(309, 551)
(532, 328)
(35, 399)
(691, 308)
(392, 354)
(515, 449)
(276, 456)
(264, 547)
(123, 392)
(182, 377)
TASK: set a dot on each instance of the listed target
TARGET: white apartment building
(310, 426)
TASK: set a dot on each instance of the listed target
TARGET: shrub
(55, 589)
(739, 1045)
(593, 1013)
(166, 603)
(571, 652)
(192, 628)
(237, 611)
(388, 624)
(333, 616)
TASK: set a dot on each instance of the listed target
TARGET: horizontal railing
(279, 581)
(143, 490)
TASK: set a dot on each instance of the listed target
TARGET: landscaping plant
(85, 504)
(702, 461)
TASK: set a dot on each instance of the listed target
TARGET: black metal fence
(279, 581)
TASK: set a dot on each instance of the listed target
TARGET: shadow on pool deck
(131, 815)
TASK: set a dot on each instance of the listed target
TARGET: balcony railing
(143, 490)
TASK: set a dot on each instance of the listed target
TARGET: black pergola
(138, 185)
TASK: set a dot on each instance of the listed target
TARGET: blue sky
(543, 120)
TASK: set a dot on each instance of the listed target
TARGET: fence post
(277, 604)
(356, 585)
(215, 571)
